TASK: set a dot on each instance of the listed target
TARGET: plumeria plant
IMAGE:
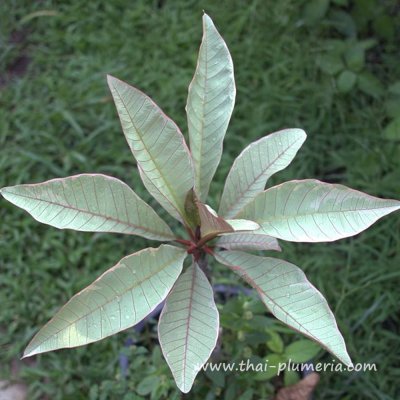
(249, 218)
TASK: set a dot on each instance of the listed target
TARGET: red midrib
(188, 324)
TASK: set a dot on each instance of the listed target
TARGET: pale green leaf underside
(188, 326)
(289, 296)
(209, 107)
(255, 165)
(243, 225)
(91, 203)
(159, 147)
(314, 211)
(117, 300)
(248, 241)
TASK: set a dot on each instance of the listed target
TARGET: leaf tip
(28, 352)
(4, 191)
(111, 80)
(184, 387)
(207, 21)
(347, 361)
(301, 134)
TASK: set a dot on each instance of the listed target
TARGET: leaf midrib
(185, 354)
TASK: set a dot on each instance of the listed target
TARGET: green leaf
(147, 385)
(117, 300)
(247, 394)
(392, 130)
(255, 165)
(272, 362)
(313, 211)
(315, 10)
(289, 296)
(90, 203)
(367, 44)
(290, 377)
(342, 3)
(370, 85)
(301, 351)
(385, 26)
(346, 81)
(163, 159)
(188, 326)
(209, 105)
(248, 241)
(392, 107)
(274, 342)
(355, 57)
(395, 88)
(216, 377)
(343, 22)
(331, 64)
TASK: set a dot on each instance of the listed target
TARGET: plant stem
(202, 262)
(183, 241)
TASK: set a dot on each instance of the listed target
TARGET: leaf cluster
(178, 177)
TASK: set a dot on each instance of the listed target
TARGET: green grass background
(57, 119)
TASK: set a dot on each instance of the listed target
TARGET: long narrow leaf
(314, 211)
(117, 300)
(210, 103)
(255, 165)
(91, 203)
(188, 326)
(288, 294)
(158, 145)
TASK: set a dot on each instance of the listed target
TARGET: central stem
(203, 264)
(197, 246)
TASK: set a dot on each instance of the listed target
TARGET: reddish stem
(204, 240)
(192, 248)
(208, 250)
(184, 242)
(190, 232)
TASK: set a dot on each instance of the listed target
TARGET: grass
(57, 119)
